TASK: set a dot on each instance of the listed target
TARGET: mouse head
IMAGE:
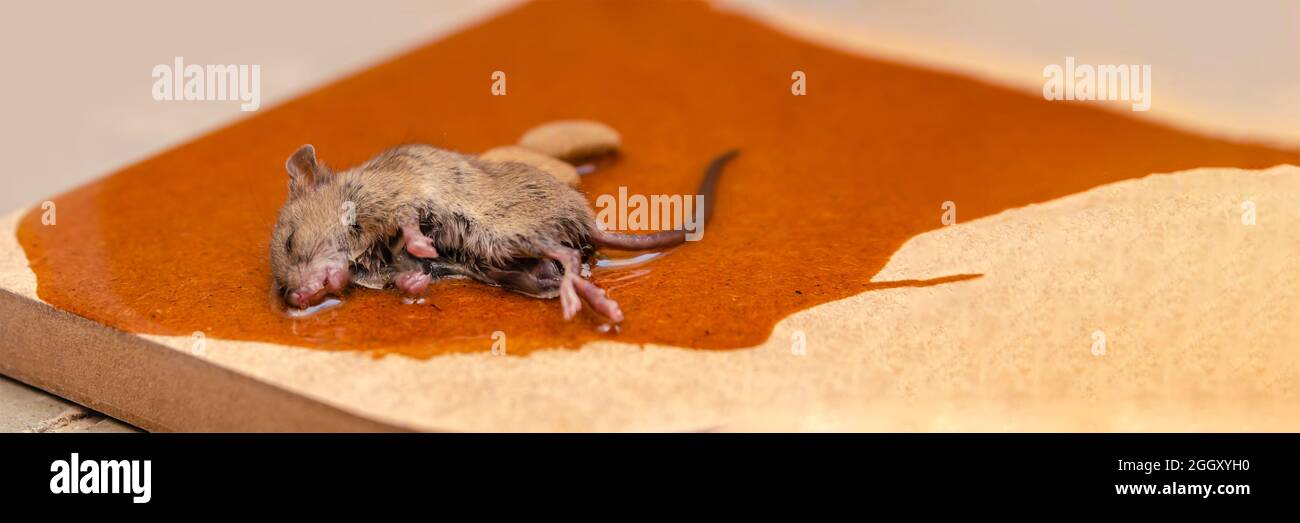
(315, 235)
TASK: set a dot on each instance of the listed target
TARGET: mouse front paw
(412, 283)
(421, 247)
(417, 243)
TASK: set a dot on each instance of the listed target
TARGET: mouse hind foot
(598, 299)
(574, 289)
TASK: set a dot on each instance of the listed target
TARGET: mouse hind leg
(574, 289)
(570, 304)
(538, 278)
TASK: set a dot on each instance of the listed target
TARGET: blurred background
(78, 102)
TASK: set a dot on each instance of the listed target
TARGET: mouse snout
(332, 281)
(303, 298)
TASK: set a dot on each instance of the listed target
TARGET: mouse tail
(641, 242)
(710, 182)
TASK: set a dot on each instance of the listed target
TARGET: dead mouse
(504, 223)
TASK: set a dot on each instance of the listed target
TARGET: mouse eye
(288, 243)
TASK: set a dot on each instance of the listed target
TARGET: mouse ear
(304, 171)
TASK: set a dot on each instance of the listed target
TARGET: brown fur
(423, 213)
